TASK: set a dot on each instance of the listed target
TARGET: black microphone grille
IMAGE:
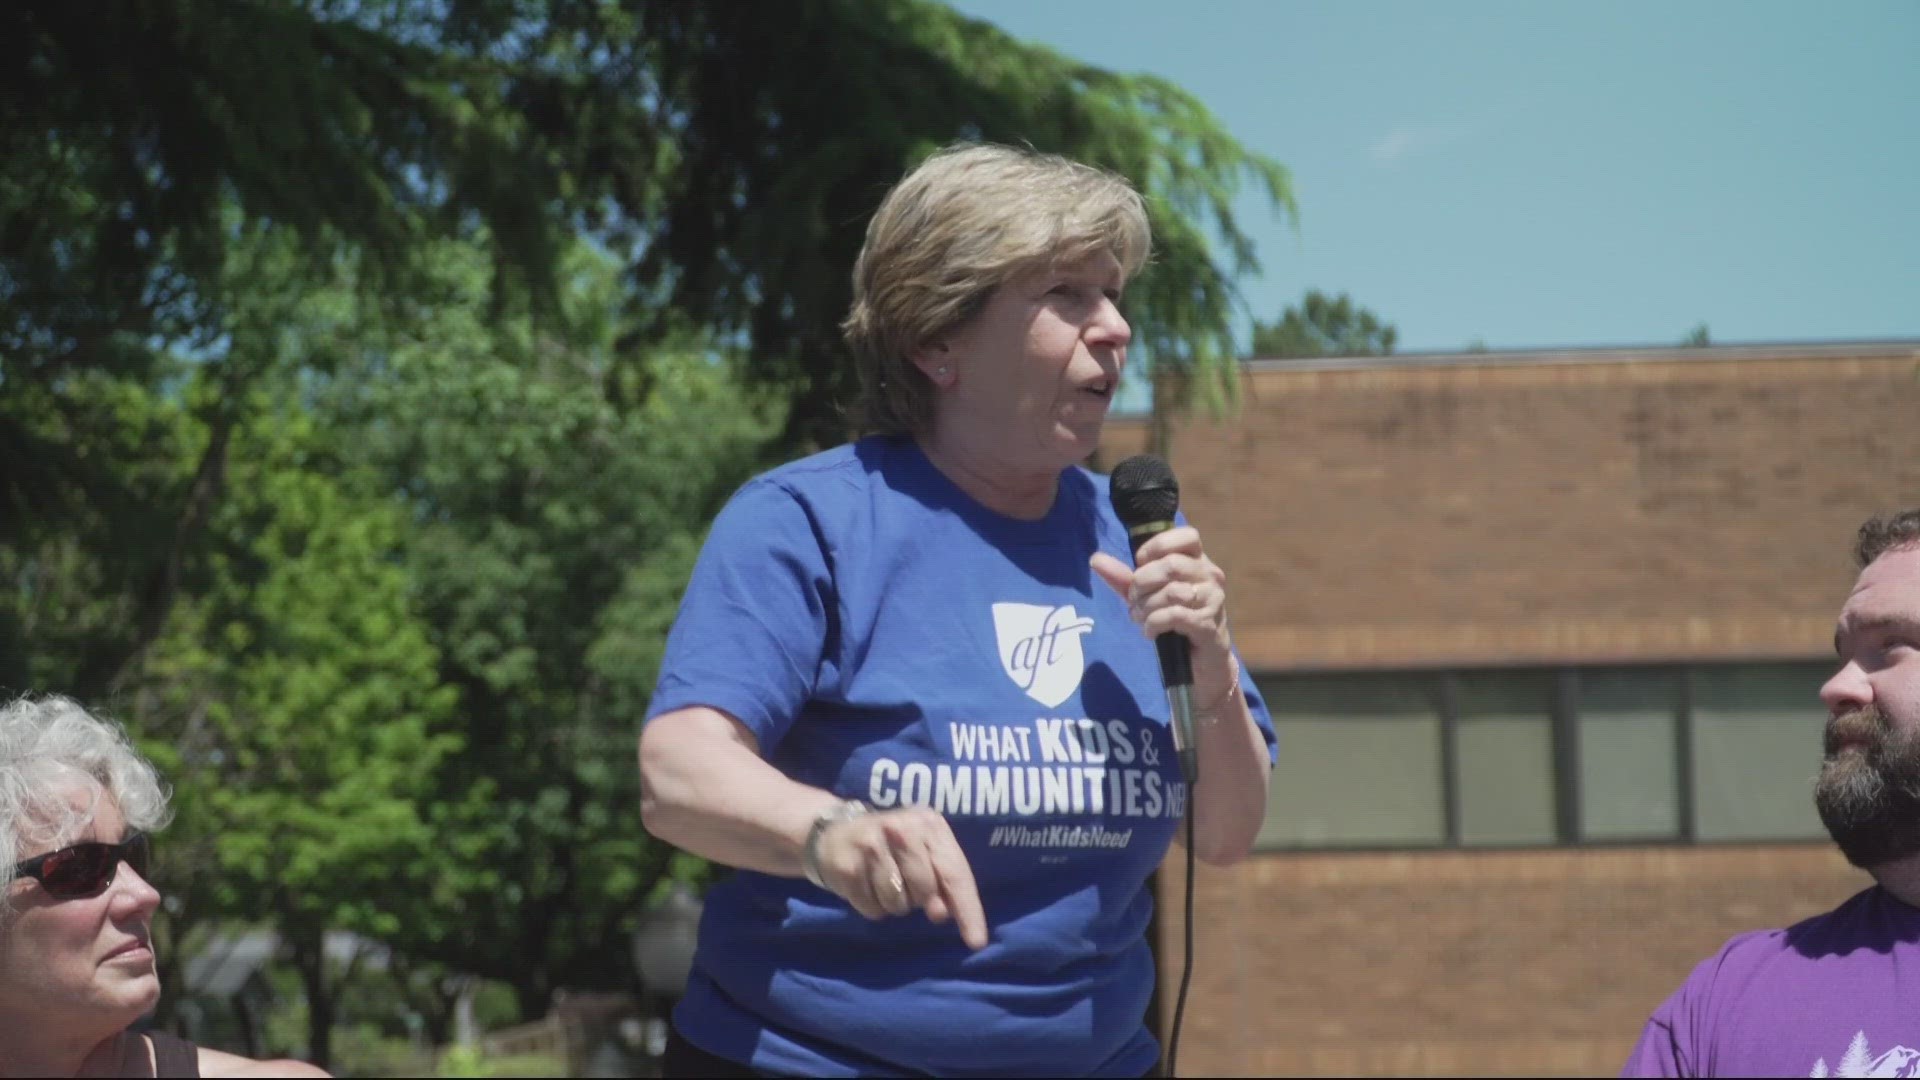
(1144, 490)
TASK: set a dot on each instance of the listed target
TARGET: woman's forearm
(1230, 801)
(704, 788)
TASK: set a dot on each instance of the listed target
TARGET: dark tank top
(173, 1056)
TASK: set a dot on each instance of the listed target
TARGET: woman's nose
(1109, 326)
(132, 892)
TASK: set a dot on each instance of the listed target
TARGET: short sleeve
(1657, 1053)
(1666, 1046)
(751, 633)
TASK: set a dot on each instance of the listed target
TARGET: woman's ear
(935, 362)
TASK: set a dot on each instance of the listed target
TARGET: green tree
(479, 308)
(136, 151)
(1697, 338)
(1323, 326)
(378, 124)
(298, 710)
(115, 473)
(126, 145)
(71, 581)
(845, 94)
(555, 512)
(289, 693)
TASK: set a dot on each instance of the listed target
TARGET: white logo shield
(1040, 649)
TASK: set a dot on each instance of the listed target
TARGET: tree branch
(108, 664)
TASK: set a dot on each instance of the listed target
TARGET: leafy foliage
(552, 532)
(370, 369)
(297, 708)
(1323, 326)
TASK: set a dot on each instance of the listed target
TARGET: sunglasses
(86, 869)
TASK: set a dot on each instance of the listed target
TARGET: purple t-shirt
(1836, 995)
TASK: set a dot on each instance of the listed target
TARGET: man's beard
(1869, 793)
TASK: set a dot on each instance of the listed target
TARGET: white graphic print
(1859, 1061)
(1104, 774)
(1040, 649)
(1052, 766)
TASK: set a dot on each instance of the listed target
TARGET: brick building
(1543, 634)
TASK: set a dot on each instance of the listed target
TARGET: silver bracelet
(845, 810)
(1211, 714)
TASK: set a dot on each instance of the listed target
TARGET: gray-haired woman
(906, 696)
(78, 806)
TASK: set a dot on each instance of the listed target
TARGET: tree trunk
(250, 1025)
(107, 665)
(439, 1013)
(167, 933)
(814, 422)
(433, 996)
(1170, 389)
(535, 988)
(535, 996)
(308, 946)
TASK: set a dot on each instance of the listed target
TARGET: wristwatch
(846, 810)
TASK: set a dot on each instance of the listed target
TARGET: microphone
(1145, 496)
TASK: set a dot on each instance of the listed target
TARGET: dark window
(1503, 741)
(1756, 749)
(1359, 763)
(1628, 720)
(1544, 756)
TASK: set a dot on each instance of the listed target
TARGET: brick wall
(1490, 512)
(1500, 510)
(1463, 962)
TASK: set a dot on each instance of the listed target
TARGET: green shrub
(467, 1061)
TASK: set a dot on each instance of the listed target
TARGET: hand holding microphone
(1176, 594)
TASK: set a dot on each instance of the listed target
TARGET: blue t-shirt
(888, 638)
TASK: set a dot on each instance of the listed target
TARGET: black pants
(685, 1061)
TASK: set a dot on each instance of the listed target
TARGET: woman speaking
(895, 698)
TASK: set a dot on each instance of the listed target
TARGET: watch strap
(845, 810)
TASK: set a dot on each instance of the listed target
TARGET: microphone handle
(1176, 670)
(1176, 658)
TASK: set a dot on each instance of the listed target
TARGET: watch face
(810, 851)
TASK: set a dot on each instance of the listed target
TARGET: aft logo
(1040, 649)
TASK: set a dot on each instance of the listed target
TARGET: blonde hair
(959, 226)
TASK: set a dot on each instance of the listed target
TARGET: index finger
(959, 890)
(1184, 540)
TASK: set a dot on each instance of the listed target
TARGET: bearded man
(1838, 994)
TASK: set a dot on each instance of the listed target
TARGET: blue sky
(1557, 174)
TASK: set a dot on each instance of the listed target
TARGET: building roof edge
(1876, 349)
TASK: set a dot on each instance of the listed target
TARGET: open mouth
(1102, 389)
